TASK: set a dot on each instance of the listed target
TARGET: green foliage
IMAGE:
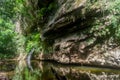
(108, 25)
(29, 76)
(7, 40)
(7, 9)
(33, 15)
(7, 44)
(30, 15)
(114, 9)
(33, 40)
(26, 74)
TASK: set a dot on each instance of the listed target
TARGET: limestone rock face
(72, 41)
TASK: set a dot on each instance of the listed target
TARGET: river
(13, 70)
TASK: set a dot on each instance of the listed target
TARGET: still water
(52, 71)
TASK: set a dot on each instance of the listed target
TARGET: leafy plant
(107, 26)
(33, 40)
(7, 44)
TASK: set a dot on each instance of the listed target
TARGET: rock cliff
(74, 39)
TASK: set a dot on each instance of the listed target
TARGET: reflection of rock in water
(73, 74)
(87, 75)
(3, 78)
(6, 75)
(6, 70)
(58, 77)
(7, 66)
(105, 76)
(60, 72)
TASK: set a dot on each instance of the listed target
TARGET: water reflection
(53, 71)
(7, 70)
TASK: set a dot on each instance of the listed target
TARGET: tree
(7, 44)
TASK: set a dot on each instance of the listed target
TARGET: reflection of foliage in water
(18, 71)
(35, 75)
(23, 73)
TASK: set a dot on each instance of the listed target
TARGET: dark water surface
(53, 71)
